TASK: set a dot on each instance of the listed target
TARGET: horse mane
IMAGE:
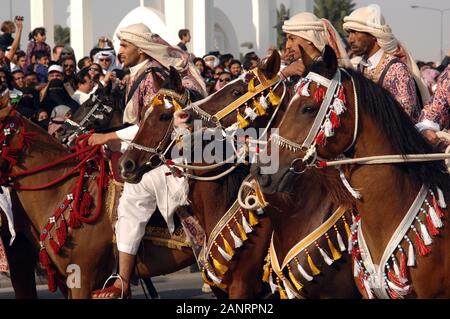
(389, 116)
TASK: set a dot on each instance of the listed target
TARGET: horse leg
(22, 260)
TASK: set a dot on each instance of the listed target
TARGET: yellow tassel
(243, 123)
(252, 219)
(259, 109)
(157, 101)
(222, 269)
(334, 252)
(294, 280)
(251, 85)
(206, 280)
(347, 228)
(314, 270)
(281, 290)
(241, 231)
(266, 273)
(227, 246)
(176, 105)
(274, 99)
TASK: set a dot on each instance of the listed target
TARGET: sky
(417, 29)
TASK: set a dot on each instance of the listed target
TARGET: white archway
(225, 34)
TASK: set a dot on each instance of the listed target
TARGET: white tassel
(411, 256)
(273, 287)
(347, 185)
(400, 291)
(437, 222)
(263, 102)
(338, 106)
(250, 113)
(326, 258)
(427, 240)
(328, 128)
(303, 272)
(356, 269)
(340, 242)
(368, 289)
(213, 277)
(395, 264)
(305, 89)
(247, 227)
(441, 198)
(289, 292)
(260, 211)
(350, 245)
(224, 254)
(236, 239)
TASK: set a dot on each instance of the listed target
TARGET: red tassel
(341, 95)
(423, 250)
(61, 232)
(74, 222)
(44, 259)
(437, 208)
(403, 266)
(320, 138)
(320, 94)
(335, 122)
(392, 277)
(86, 204)
(433, 230)
(11, 155)
(361, 280)
(51, 280)
(393, 294)
(56, 248)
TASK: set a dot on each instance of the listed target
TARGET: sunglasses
(104, 60)
(225, 80)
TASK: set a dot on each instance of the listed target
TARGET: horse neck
(387, 190)
(296, 215)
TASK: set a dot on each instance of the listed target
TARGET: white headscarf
(108, 54)
(155, 47)
(320, 32)
(370, 20)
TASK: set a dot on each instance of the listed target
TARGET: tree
(334, 11)
(282, 15)
(62, 35)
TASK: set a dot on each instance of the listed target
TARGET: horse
(101, 111)
(401, 204)
(90, 247)
(242, 276)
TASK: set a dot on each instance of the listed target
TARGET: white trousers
(139, 201)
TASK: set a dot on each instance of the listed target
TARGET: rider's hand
(295, 68)
(431, 136)
(98, 139)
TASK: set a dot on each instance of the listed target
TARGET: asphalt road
(180, 285)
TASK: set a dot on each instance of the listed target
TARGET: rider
(312, 34)
(384, 59)
(142, 50)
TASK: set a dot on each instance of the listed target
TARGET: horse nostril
(129, 166)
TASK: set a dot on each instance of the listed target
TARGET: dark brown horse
(89, 247)
(210, 200)
(389, 192)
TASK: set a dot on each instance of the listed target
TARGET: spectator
(235, 68)
(84, 63)
(31, 79)
(18, 79)
(29, 103)
(55, 93)
(21, 60)
(106, 59)
(224, 79)
(57, 49)
(37, 43)
(225, 60)
(69, 66)
(6, 39)
(185, 37)
(104, 43)
(55, 72)
(41, 68)
(84, 86)
(95, 71)
(6, 57)
(201, 66)
(41, 119)
(211, 61)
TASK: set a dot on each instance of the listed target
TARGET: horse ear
(175, 79)
(307, 60)
(271, 66)
(330, 59)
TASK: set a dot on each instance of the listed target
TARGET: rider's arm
(125, 134)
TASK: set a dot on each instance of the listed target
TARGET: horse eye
(308, 109)
(165, 117)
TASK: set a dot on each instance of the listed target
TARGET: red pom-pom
(433, 230)
(423, 250)
(341, 95)
(437, 208)
(74, 222)
(61, 232)
(319, 94)
(403, 266)
(335, 122)
(44, 259)
(322, 164)
(55, 247)
(320, 138)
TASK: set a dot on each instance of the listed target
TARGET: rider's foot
(114, 291)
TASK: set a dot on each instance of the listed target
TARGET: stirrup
(115, 276)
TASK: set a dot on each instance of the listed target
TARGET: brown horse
(371, 124)
(89, 247)
(243, 278)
